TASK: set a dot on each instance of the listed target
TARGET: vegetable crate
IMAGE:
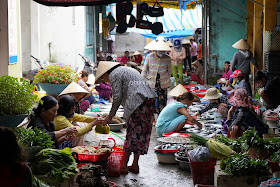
(202, 172)
(115, 161)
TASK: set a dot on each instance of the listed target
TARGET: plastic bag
(219, 150)
(200, 154)
(102, 129)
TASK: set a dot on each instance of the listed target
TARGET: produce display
(275, 157)
(242, 164)
(218, 150)
(33, 137)
(170, 146)
(115, 119)
(235, 145)
(176, 139)
(57, 164)
(90, 150)
(91, 175)
(102, 129)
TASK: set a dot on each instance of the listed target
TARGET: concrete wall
(225, 29)
(129, 42)
(62, 28)
(4, 45)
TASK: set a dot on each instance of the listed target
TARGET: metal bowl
(116, 127)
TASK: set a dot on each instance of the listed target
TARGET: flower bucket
(53, 89)
(11, 121)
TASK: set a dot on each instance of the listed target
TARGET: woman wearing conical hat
(242, 58)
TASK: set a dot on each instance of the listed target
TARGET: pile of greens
(38, 183)
(58, 164)
(235, 145)
(250, 138)
(275, 157)
(33, 137)
(241, 164)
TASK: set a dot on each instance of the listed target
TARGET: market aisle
(153, 173)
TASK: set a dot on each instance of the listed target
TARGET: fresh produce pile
(218, 150)
(241, 164)
(91, 175)
(57, 164)
(102, 129)
(33, 137)
(115, 119)
(235, 145)
(90, 150)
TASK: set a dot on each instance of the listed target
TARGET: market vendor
(242, 116)
(105, 90)
(226, 74)
(241, 82)
(269, 89)
(197, 74)
(43, 117)
(79, 94)
(217, 100)
(66, 116)
(13, 169)
(137, 58)
(175, 115)
(132, 92)
(83, 83)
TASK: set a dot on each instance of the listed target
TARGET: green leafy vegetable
(33, 137)
(38, 183)
(58, 164)
(235, 145)
(198, 139)
(242, 165)
(275, 157)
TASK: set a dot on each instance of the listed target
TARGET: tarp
(76, 2)
(176, 23)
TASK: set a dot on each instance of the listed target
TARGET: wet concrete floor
(152, 173)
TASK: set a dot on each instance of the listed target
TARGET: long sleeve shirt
(61, 122)
(222, 99)
(129, 90)
(177, 56)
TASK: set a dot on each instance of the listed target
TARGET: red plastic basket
(203, 172)
(115, 161)
(185, 135)
(275, 166)
(80, 157)
(166, 151)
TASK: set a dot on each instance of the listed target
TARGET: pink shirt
(124, 59)
(227, 74)
(194, 52)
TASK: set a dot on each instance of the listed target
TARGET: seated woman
(66, 116)
(240, 82)
(137, 58)
(105, 91)
(174, 116)
(79, 94)
(196, 76)
(42, 119)
(13, 171)
(217, 100)
(83, 83)
(226, 74)
(269, 89)
(241, 115)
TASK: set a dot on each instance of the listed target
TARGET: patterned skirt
(139, 128)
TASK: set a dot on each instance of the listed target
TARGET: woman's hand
(199, 125)
(71, 130)
(197, 114)
(108, 119)
(98, 121)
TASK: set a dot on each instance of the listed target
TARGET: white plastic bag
(200, 154)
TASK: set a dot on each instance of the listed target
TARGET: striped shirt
(154, 65)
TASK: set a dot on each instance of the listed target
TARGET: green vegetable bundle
(242, 165)
(217, 149)
(275, 157)
(235, 145)
(33, 137)
(102, 129)
(58, 164)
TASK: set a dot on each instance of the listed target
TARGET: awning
(183, 4)
(176, 23)
(77, 2)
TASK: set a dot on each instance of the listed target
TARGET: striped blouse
(153, 65)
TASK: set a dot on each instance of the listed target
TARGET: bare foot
(124, 170)
(133, 169)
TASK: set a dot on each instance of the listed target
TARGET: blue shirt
(169, 113)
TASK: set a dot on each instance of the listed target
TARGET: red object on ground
(166, 151)
(200, 93)
(111, 184)
(189, 86)
(275, 166)
(80, 157)
(185, 135)
(115, 161)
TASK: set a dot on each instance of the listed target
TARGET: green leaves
(58, 164)
(16, 96)
(33, 137)
(233, 144)
(54, 74)
(241, 164)
(275, 157)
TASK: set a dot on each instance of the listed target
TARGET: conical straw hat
(91, 79)
(73, 88)
(169, 43)
(159, 46)
(149, 44)
(178, 90)
(136, 53)
(103, 67)
(185, 41)
(241, 44)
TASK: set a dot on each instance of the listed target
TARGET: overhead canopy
(183, 4)
(76, 2)
(176, 23)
